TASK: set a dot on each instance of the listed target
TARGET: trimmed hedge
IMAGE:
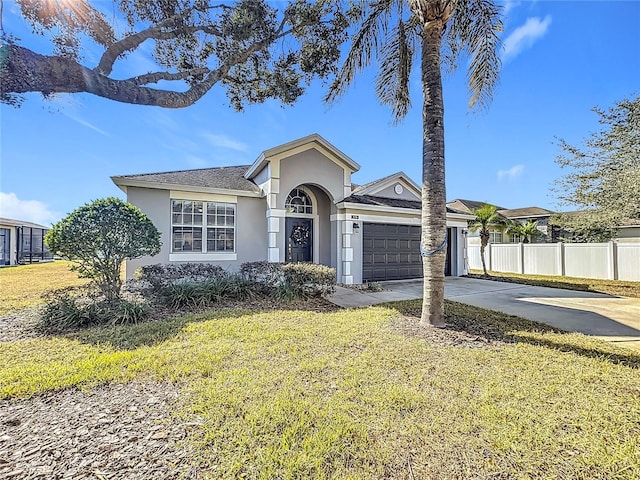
(161, 276)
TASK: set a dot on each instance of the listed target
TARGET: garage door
(390, 252)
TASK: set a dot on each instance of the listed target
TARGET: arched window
(298, 201)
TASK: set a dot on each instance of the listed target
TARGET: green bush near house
(99, 236)
(161, 276)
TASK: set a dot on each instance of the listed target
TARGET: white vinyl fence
(613, 260)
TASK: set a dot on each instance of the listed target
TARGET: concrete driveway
(615, 319)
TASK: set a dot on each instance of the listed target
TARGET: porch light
(356, 227)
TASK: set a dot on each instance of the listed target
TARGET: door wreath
(300, 235)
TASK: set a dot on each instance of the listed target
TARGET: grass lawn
(611, 287)
(354, 395)
(22, 286)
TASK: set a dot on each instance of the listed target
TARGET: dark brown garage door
(390, 252)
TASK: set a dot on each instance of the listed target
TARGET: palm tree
(526, 231)
(487, 216)
(395, 31)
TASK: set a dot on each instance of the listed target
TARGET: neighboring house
(522, 215)
(629, 232)
(22, 242)
(530, 214)
(296, 202)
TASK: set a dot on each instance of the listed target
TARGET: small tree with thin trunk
(99, 236)
(487, 216)
(528, 232)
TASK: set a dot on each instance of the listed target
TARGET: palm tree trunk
(434, 222)
(484, 241)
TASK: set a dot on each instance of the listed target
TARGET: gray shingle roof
(525, 212)
(220, 177)
(387, 202)
(467, 206)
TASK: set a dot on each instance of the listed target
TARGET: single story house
(522, 215)
(628, 231)
(22, 242)
(296, 202)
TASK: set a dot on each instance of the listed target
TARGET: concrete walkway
(615, 319)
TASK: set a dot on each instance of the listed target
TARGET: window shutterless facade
(495, 236)
(202, 226)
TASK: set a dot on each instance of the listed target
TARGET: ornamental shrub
(68, 309)
(309, 279)
(99, 236)
(190, 294)
(161, 276)
(266, 276)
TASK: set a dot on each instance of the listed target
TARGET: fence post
(490, 249)
(560, 259)
(612, 273)
(521, 258)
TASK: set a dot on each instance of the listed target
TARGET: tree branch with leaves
(196, 44)
(603, 179)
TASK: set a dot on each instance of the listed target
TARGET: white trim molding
(201, 257)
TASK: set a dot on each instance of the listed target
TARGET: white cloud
(223, 141)
(510, 5)
(27, 210)
(85, 123)
(525, 36)
(511, 173)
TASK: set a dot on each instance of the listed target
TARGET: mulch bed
(113, 431)
(451, 335)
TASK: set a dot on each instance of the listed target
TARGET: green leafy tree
(439, 32)
(589, 227)
(487, 217)
(604, 175)
(254, 49)
(528, 232)
(99, 236)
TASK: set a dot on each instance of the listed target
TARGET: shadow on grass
(154, 332)
(497, 326)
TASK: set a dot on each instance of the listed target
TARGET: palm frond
(396, 59)
(474, 31)
(372, 24)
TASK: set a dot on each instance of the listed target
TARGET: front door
(299, 239)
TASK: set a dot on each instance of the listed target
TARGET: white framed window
(202, 226)
(495, 236)
(299, 201)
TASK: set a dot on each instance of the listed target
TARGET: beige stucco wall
(251, 227)
(313, 168)
(390, 192)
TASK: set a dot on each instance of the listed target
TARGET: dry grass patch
(22, 286)
(302, 394)
(610, 287)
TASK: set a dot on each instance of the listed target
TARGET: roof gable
(377, 186)
(313, 141)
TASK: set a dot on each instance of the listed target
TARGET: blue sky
(560, 59)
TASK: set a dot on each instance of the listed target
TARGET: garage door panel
(379, 243)
(390, 252)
